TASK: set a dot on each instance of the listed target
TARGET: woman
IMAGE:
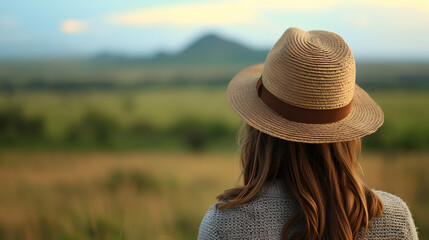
(304, 118)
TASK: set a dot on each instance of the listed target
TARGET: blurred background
(114, 122)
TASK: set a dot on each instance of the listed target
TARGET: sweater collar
(276, 189)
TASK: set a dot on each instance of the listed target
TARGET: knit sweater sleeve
(207, 229)
(396, 222)
(411, 231)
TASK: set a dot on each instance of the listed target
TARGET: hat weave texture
(310, 70)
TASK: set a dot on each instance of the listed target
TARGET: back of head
(325, 178)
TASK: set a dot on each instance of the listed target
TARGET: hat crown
(314, 70)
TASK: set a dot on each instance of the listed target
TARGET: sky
(52, 28)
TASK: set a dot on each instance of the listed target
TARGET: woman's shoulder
(388, 197)
(394, 206)
(208, 224)
(396, 220)
(263, 215)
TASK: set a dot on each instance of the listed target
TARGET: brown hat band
(298, 114)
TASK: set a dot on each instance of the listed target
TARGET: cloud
(419, 4)
(73, 26)
(210, 13)
(242, 11)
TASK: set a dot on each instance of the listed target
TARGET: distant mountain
(212, 48)
(209, 49)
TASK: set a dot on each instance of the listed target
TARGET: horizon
(189, 45)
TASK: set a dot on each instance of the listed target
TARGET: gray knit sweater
(264, 217)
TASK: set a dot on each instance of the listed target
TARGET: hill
(212, 48)
(209, 49)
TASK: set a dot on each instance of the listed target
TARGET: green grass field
(160, 107)
(124, 118)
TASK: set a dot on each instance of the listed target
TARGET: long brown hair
(325, 179)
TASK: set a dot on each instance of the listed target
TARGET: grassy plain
(134, 195)
(160, 107)
(127, 116)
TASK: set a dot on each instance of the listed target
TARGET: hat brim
(365, 118)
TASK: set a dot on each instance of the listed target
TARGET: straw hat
(305, 91)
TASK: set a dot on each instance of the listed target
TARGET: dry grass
(102, 195)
